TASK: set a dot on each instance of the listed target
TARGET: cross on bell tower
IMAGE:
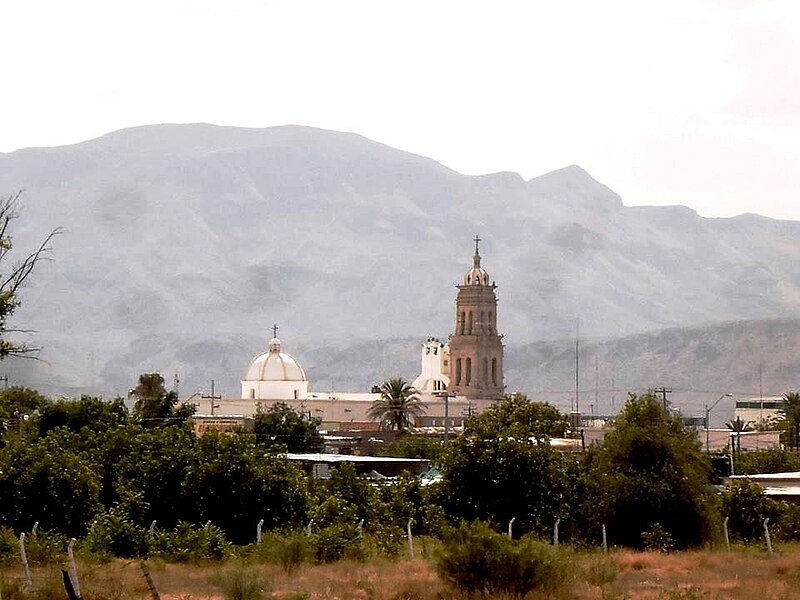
(275, 330)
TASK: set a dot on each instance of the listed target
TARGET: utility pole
(212, 397)
(577, 364)
(663, 391)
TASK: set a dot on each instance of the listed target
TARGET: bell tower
(476, 349)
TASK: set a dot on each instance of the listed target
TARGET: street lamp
(446, 395)
(708, 411)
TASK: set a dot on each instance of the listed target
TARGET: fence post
(360, 527)
(150, 585)
(410, 539)
(35, 528)
(26, 569)
(605, 540)
(73, 568)
(725, 531)
(555, 532)
(152, 527)
(308, 527)
(258, 531)
(510, 526)
(766, 535)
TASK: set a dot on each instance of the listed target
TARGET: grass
(713, 575)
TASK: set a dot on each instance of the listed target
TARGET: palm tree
(739, 426)
(398, 405)
(791, 415)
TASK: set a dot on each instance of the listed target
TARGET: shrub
(475, 558)
(115, 535)
(601, 573)
(293, 552)
(746, 505)
(241, 583)
(9, 544)
(187, 543)
(45, 547)
(336, 542)
(658, 539)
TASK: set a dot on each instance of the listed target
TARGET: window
(485, 371)
(461, 323)
(494, 371)
(468, 375)
(295, 394)
(458, 371)
(252, 394)
(469, 323)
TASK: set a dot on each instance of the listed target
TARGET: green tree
(746, 506)
(649, 475)
(398, 405)
(504, 467)
(47, 481)
(234, 486)
(791, 419)
(17, 406)
(282, 426)
(15, 277)
(156, 406)
(770, 460)
(85, 413)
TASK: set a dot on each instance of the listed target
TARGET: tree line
(79, 466)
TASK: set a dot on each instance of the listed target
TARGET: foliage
(79, 415)
(283, 427)
(518, 416)
(649, 470)
(503, 468)
(17, 405)
(771, 460)
(47, 481)
(746, 506)
(413, 446)
(191, 544)
(233, 483)
(9, 546)
(242, 583)
(791, 419)
(113, 534)
(337, 541)
(398, 405)
(155, 406)
(12, 280)
(658, 539)
(294, 551)
(476, 559)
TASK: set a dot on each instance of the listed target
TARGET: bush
(658, 539)
(115, 535)
(45, 547)
(241, 583)
(186, 543)
(336, 542)
(9, 544)
(476, 559)
(294, 551)
(746, 505)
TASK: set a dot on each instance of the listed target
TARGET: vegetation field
(742, 574)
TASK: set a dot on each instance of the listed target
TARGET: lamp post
(445, 394)
(708, 411)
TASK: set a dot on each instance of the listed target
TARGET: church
(458, 378)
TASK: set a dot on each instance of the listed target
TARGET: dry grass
(711, 575)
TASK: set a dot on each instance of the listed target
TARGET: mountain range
(183, 244)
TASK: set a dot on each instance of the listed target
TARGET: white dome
(274, 365)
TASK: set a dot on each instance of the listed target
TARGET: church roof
(274, 365)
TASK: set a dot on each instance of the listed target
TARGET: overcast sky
(693, 102)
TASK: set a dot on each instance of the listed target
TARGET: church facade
(457, 378)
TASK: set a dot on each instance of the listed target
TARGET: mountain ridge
(342, 240)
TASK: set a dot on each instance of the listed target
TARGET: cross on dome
(275, 330)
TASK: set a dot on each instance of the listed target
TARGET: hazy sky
(680, 102)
